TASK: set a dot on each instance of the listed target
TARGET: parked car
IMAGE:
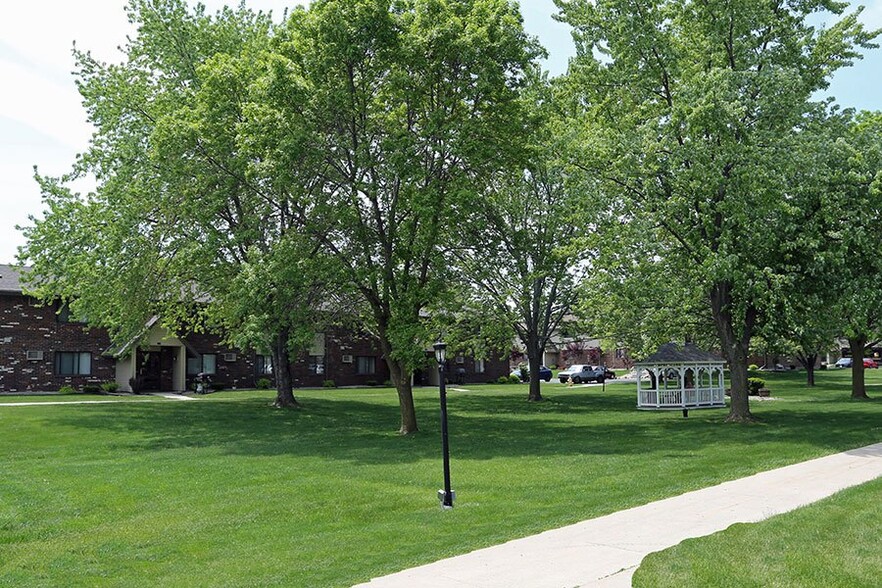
(843, 362)
(582, 373)
(869, 362)
(544, 373)
(564, 375)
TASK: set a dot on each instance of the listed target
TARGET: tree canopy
(692, 113)
(232, 153)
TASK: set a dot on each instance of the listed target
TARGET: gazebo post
(639, 392)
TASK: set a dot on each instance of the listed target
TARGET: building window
(317, 364)
(73, 363)
(479, 366)
(366, 365)
(64, 315)
(207, 364)
(264, 364)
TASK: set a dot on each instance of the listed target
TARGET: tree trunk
(401, 380)
(858, 386)
(808, 361)
(400, 376)
(282, 371)
(534, 360)
(739, 410)
(735, 349)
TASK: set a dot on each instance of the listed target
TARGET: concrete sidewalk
(605, 551)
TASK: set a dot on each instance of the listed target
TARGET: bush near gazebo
(754, 385)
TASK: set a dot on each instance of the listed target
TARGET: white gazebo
(680, 378)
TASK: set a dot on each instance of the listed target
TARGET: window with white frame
(479, 366)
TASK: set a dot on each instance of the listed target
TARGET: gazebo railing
(681, 398)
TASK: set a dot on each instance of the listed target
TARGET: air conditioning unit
(229, 357)
(347, 359)
(35, 356)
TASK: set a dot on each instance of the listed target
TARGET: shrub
(502, 380)
(514, 380)
(753, 367)
(371, 383)
(92, 388)
(754, 385)
(217, 386)
(263, 384)
(136, 384)
(109, 387)
(387, 384)
(66, 389)
(329, 384)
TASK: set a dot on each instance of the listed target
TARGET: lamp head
(440, 352)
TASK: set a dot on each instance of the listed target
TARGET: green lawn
(831, 544)
(225, 491)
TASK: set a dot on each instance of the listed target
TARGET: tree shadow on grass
(482, 426)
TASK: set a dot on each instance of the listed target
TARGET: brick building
(42, 349)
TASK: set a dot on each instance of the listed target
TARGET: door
(149, 371)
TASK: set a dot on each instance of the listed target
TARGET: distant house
(42, 349)
(567, 349)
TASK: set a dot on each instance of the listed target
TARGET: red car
(870, 363)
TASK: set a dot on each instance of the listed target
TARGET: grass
(225, 491)
(77, 397)
(831, 544)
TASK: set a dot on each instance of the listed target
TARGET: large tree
(522, 252)
(412, 105)
(693, 112)
(803, 321)
(186, 222)
(856, 231)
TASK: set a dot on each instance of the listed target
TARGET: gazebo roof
(671, 353)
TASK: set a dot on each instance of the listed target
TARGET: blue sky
(42, 122)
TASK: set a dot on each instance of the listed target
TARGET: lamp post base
(446, 504)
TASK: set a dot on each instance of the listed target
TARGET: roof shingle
(671, 353)
(10, 279)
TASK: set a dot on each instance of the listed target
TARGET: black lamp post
(447, 495)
